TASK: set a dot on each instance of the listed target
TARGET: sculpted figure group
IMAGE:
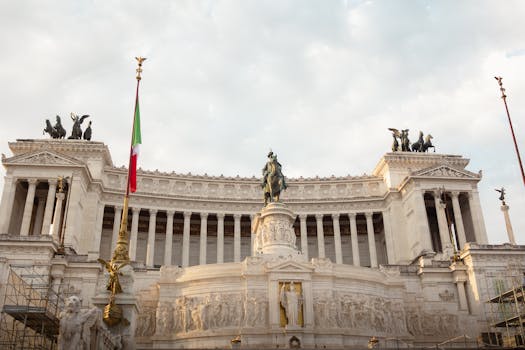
(58, 132)
(403, 145)
(76, 326)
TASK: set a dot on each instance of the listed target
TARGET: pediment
(445, 171)
(42, 158)
(289, 266)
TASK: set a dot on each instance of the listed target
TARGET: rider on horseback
(273, 179)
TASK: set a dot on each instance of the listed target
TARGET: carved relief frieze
(203, 313)
(359, 311)
(431, 323)
(446, 171)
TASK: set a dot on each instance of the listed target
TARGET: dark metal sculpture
(421, 145)
(87, 133)
(395, 135)
(273, 179)
(405, 142)
(76, 132)
(50, 130)
(502, 195)
(61, 132)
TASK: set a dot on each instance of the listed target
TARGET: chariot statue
(76, 132)
(422, 145)
(273, 179)
(57, 131)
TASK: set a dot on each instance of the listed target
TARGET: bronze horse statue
(50, 130)
(60, 129)
(273, 180)
(423, 145)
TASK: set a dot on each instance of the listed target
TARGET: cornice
(63, 146)
(418, 160)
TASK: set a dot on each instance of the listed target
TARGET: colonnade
(447, 216)
(203, 246)
(33, 222)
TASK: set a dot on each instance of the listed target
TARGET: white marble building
(371, 255)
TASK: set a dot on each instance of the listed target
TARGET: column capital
(204, 216)
(352, 215)
(335, 217)
(170, 212)
(437, 194)
(252, 216)
(152, 212)
(187, 214)
(303, 217)
(220, 216)
(319, 216)
(32, 181)
(504, 207)
(455, 194)
(52, 182)
(368, 214)
(118, 207)
(237, 216)
(135, 210)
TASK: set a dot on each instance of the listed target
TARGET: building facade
(398, 254)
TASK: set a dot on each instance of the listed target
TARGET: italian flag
(136, 140)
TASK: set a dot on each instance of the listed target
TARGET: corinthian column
(116, 226)
(442, 223)
(460, 228)
(150, 252)
(28, 208)
(186, 239)
(237, 237)
(204, 238)
(168, 244)
(337, 239)
(320, 235)
(371, 239)
(353, 238)
(134, 233)
(220, 238)
(50, 203)
(6, 206)
(304, 235)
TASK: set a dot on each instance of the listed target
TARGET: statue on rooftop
(395, 135)
(422, 145)
(273, 179)
(76, 132)
(87, 133)
(61, 132)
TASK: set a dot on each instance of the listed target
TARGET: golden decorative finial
(139, 59)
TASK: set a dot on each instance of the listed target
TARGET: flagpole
(121, 252)
(504, 97)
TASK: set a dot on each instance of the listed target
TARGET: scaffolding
(506, 309)
(29, 316)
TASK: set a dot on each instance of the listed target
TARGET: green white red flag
(136, 140)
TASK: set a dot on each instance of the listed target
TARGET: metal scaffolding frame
(505, 308)
(29, 316)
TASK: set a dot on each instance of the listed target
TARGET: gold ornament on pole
(113, 314)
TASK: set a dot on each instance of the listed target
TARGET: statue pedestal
(127, 302)
(275, 235)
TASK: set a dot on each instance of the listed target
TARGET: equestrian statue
(273, 179)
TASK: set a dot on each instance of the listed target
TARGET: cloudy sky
(319, 82)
